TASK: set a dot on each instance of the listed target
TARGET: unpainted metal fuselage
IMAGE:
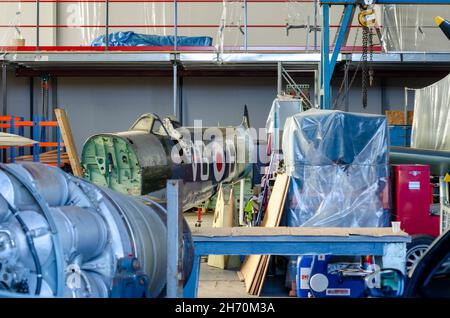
(141, 160)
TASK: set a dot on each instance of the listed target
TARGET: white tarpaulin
(14, 140)
(431, 123)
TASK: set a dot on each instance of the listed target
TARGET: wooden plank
(266, 258)
(258, 275)
(231, 261)
(255, 265)
(69, 143)
(218, 260)
(265, 267)
(252, 263)
(397, 117)
(240, 276)
(223, 217)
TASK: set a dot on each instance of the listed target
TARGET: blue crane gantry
(328, 64)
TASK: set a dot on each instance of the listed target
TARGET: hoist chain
(367, 57)
(364, 71)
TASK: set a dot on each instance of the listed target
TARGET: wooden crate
(397, 117)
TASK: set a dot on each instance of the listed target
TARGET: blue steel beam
(327, 64)
(341, 36)
(326, 79)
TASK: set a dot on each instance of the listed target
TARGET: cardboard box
(397, 117)
(17, 42)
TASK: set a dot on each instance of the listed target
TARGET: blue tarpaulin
(130, 38)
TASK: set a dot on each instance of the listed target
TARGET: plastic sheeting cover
(339, 167)
(11, 33)
(412, 28)
(431, 122)
(130, 38)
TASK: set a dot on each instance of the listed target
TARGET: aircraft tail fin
(245, 118)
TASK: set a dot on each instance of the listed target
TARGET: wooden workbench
(297, 241)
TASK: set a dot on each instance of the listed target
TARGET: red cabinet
(412, 199)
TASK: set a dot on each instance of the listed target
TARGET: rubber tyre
(414, 250)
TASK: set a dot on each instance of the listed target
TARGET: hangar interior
(337, 112)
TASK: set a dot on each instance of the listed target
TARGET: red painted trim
(169, 49)
(102, 48)
(146, 1)
(123, 26)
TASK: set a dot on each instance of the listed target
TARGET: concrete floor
(215, 282)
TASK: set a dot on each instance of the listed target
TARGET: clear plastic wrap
(275, 25)
(88, 19)
(339, 167)
(91, 14)
(11, 33)
(412, 28)
(231, 25)
(300, 24)
(289, 25)
(431, 122)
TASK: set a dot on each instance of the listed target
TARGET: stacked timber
(49, 158)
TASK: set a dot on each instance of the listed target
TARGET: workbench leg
(174, 238)
(394, 256)
(191, 287)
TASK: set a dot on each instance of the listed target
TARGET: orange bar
(48, 124)
(48, 144)
(18, 124)
(7, 147)
(24, 124)
(8, 118)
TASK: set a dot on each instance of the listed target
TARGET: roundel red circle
(219, 161)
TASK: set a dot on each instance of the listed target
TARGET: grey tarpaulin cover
(339, 167)
(431, 122)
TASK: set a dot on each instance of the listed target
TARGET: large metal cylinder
(438, 160)
(62, 236)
